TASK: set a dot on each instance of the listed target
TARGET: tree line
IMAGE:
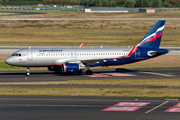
(35, 2)
(98, 3)
(130, 3)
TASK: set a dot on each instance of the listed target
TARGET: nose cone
(9, 61)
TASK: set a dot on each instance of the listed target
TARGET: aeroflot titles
(61, 50)
(50, 50)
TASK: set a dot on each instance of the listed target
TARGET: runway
(88, 108)
(47, 19)
(40, 76)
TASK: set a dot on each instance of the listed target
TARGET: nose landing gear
(28, 71)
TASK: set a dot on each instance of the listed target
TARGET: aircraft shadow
(121, 70)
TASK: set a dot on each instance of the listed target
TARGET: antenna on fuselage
(29, 47)
(101, 46)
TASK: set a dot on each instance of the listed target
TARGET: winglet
(81, 46)
(129, 54)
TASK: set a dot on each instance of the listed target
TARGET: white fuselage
(57, 56)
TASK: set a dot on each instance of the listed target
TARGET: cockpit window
(16, 54)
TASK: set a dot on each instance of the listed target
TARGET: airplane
(74, 60)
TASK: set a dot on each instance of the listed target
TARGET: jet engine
(72, 68)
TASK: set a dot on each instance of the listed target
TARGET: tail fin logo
(153, 36)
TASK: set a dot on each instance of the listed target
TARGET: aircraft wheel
(28, 71)
(28, 74)
(88, 72)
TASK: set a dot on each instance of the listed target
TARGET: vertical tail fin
(153, 37)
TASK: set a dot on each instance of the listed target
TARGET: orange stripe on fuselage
(65, 67)
(58, 64)
(121, 56)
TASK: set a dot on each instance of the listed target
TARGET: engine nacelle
(54, 68)
(71, 67)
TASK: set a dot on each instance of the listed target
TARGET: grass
(5, 67)
(42, 11)
(73, 33)
(170, 93)
(69, 34)
(8, 14)
(135, 82)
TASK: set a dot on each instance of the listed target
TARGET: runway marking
(112, 108)
(161, 74)
(177, 105)
(172, 99)
(131, 104)
(175, 108)
(156, 107)
(97, 75)
(109, 74)
(126, 106)
(119, 74)
(172, 110)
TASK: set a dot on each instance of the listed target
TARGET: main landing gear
(28, 71)
(88, 72)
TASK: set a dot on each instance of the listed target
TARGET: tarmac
(118, 73)
(88, 108)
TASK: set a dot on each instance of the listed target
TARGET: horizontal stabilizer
(157, 53)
